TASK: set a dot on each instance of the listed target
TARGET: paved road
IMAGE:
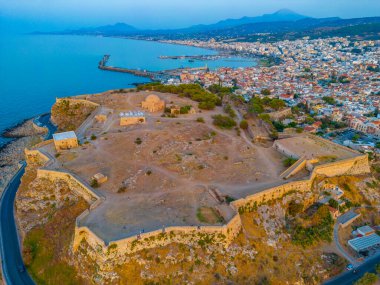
(10, 249)
(348, 277)
(337, 243)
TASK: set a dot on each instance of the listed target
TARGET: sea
(36, 69)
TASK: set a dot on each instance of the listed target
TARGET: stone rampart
(75, 100)
(80, 187)
(35, 155)
(222, 235)
(43, 143)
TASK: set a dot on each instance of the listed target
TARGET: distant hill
(279, 16)
(109, 30)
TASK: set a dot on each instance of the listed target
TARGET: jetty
(153, 75)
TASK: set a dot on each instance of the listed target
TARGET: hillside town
(334, 79)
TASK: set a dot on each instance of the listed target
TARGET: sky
(50, 15)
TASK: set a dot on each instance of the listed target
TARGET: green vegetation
(224, 122)
(68, 115)
(258, 105)
(289, 161)
(243, 124)
(294, 208)
(94, 183)
(138, 141)
(185, 109)
(207, 100)
(46, 247)
(333, 203)
(228, 109)
(219, 90)
(93, 137)
(200, 120)
(321, 228)
(367, 279)
(265, 92)
(329, 100)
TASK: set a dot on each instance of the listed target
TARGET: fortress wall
(33, 155)
(282, 149)
(80, 101)
(273, 193)
(85, 191)
(351, 166)
(43, 143)
(323, 140)
(280, 114)
(295, 168)
(180, 234)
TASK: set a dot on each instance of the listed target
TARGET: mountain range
(283, 24)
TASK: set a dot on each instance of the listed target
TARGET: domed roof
(152, 98)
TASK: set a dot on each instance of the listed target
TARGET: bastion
(169, 178)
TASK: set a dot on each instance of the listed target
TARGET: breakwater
(153, 75)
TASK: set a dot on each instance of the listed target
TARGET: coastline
(21, 135)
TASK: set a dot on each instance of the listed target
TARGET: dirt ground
(161, 172)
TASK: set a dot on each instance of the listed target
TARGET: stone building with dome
(153, 103)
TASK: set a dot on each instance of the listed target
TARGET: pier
(153, 75)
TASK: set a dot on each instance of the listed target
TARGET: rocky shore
(24, 135)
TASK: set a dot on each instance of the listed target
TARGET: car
(349, 267)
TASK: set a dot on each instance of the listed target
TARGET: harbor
(153, 75)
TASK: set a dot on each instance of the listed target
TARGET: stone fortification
(222, 235)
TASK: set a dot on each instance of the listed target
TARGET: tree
(329, 100)
(265, 92)
(377, 268)
(367, 279)
(333, 203)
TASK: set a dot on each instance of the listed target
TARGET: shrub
(244, 124)
(367, 279)
(121, 189)
(294, 208)
(93, 137)
(94, 183)
(287, 162)
(333, 203)
(224, 122)
(200, 120)
(138, 141)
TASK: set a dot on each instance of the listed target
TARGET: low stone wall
(84, 190)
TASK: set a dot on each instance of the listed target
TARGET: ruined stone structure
(65, 140)
(132, 118)
(153, 103)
